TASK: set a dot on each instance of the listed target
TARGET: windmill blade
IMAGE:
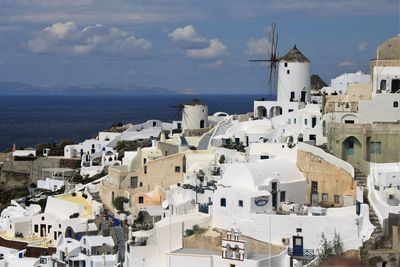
(259, 60)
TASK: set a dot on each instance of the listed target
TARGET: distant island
(16, 88)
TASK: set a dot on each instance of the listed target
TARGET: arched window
(395, 104)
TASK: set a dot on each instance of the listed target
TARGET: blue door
(298, 246)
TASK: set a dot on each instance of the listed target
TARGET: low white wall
(352, 228)
(328, 157)
(381, 208)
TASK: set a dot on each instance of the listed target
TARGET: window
(274, 186)
(36, 228)
(395, 104)
(134, 181)
(145, 169)
(349, 121)
(264, 157)
(223, 202)
(232, 265)
(154, 124)
(375, 147)
(290, 110)
(141, 200)
(336, 199)
(325, 197)
(395, 85)
(288, 71)
(305, 121)
(283, 196)
(177, 169)
(285, 64)
(140, 184)
(240, 203)
(314, 187)
(294, 121)
(42, 218)
(383, 85)
(144, 161)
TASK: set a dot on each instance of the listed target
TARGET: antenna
(273, 59)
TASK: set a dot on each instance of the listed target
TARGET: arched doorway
(275, 111)
(261, 112)
(352, 150)
(201, 124)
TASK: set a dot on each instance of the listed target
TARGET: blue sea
(30, 120)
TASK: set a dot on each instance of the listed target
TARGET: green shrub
(77, 178)
(118, 202)
(140, 218)
(189, 232)
(221, 159)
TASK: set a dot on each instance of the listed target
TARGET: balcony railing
(306, 253)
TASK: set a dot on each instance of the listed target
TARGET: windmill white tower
(294, 80)
(194, 115)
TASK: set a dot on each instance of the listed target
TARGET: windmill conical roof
(294, 55)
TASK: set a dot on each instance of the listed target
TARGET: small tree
(333, 248)
(221, 159)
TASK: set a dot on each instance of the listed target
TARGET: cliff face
(17, 176)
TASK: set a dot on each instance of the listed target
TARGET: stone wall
(331, 179)
(388, 134)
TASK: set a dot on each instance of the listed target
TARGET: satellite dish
(165, 204)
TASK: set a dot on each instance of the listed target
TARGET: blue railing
(306, 253)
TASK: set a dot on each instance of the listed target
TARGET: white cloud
(363, 46)
(212, 65)
(216, 49)
(258, 47)
(68, 38)
(195, 45)
(188, 38)
(347, 63)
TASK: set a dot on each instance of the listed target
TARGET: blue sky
(188, 46)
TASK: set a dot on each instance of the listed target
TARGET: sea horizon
(28, 120)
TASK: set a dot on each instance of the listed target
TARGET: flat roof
(196, 251)
(58, 170)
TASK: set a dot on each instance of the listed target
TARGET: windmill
(273, 60)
